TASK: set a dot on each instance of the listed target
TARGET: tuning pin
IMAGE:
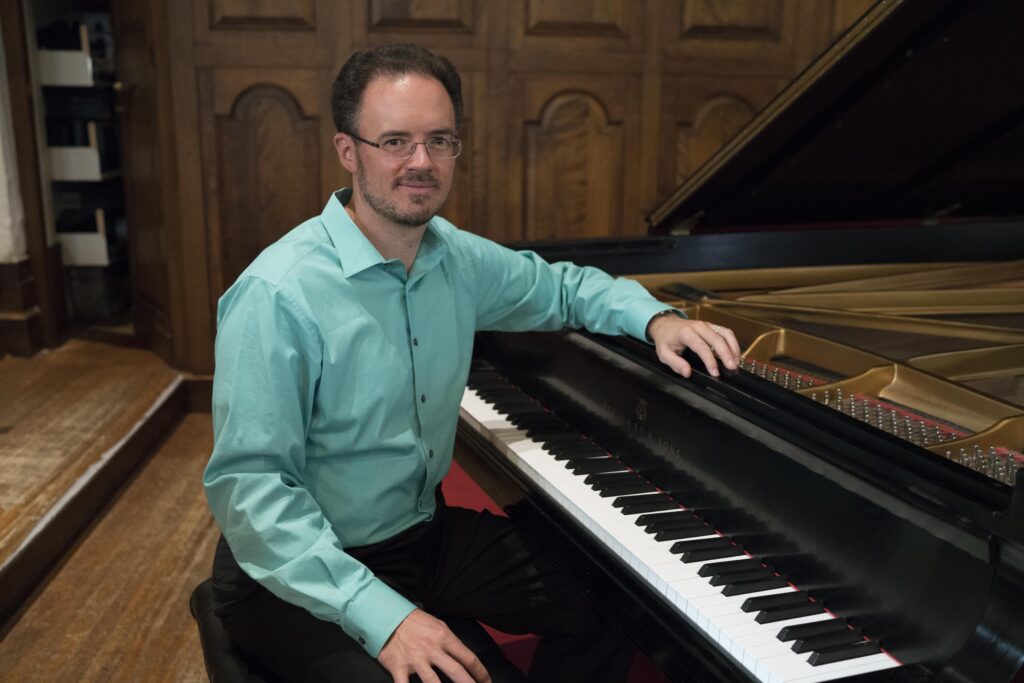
(949, 455)
(910, 432)
(963, 456)
(785, 381)
(814, 396)
(895, 424)
(826, 397)
(799, 383)
(775, 375)
(764, 370)
(853, 407)
(743, 361)
(878, 417)
(839, 399)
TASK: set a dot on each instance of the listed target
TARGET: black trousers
(461, 564)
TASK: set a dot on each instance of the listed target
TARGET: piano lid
(913, 115)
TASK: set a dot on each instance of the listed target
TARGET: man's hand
(672, 335)
(421, 642)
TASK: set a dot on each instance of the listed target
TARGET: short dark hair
(392, 60)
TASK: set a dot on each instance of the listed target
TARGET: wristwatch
(660, 314)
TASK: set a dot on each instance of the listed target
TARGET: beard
(423, 209)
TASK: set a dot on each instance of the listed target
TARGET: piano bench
(226, 664)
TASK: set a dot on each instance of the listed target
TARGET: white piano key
(754, 646)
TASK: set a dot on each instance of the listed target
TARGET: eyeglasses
(438, 146)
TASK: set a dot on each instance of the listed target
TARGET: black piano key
(665, 517)
(567, 438)
(723, 568)
(575, 452)
(644, 498)
(828, 641)
(778, 600)
(840, 654)
(816, 628)
(747, 587)
(724, 579)
(609, 477)
(691, 523)
(686, 532)
(704, 550)
(637, 507)
(702, 544)
(770, 616)
(592, 465)
(692, 556)
(612, 490)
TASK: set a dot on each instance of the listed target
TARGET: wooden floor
(60, 411)
(117, 609)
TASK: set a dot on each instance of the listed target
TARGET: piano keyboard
(773, 630)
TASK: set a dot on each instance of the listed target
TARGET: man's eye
(397, 143)
(437, 141)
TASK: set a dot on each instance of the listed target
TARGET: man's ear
(346, 148)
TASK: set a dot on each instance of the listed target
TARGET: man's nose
(420, 157)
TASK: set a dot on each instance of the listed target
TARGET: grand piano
(847, 504)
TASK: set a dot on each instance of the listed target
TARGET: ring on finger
(716, 329)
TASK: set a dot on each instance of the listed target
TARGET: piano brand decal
(635, 425)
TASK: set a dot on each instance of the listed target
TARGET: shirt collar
(356, 253)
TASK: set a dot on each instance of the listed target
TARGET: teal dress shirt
(337, 388)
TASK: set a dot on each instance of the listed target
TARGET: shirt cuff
(374, 615)
(639, 315)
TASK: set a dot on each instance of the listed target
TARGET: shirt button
(430, 454)
(362, 641)
(415, 341)
(423, 398)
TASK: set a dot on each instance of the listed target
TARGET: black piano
(848, 504)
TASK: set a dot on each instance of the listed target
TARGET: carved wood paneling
(263, 14)
(606, 25)
(715, 123)
(580, 114)
(699, 115)
(574, 163)
(414, 15)
(266, 174)
(581, 18)
(736, 19)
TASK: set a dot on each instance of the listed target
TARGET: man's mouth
(416, 182)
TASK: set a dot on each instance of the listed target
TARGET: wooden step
(117, 608)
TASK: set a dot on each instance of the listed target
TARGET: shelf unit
(83, 157)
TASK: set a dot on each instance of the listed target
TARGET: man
(342, 353)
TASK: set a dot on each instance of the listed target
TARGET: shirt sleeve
(268, 357)
(519, 291)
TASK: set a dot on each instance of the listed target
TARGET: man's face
(403, 191)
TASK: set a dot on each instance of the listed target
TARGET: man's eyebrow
(405, 133)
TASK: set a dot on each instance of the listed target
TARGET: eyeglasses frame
(454, 140)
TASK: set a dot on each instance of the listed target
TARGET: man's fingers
(466, 659)
(458, 672)
(673, 360)
(428, 675)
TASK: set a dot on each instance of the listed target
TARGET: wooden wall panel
(570, 157)
(264, 145)
(260, 14)
(615, 25)
(580, 114)
(574, 158)
(441, 25)
(417, 15)
(699, 115)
